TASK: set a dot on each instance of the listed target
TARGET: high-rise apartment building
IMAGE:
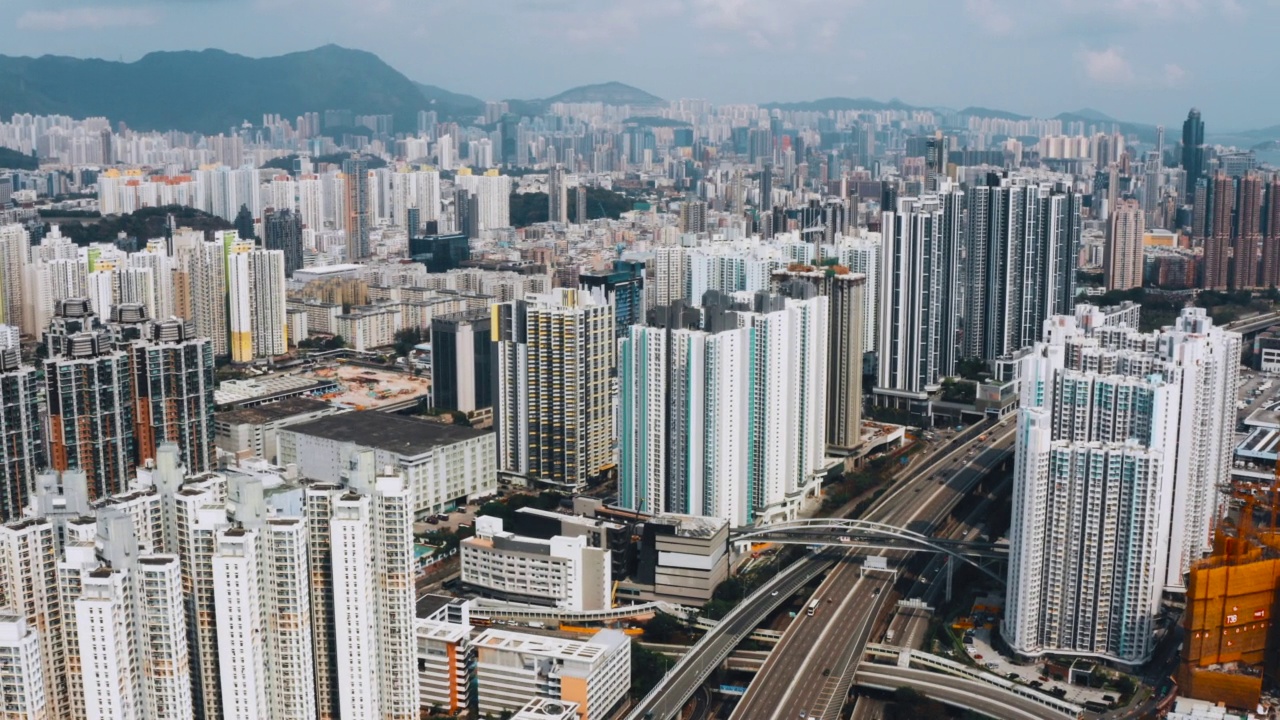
(723, 410)
(621, 288)
(15, 245)
(1192, 153)
(557, 195)
(462, 361)
(1271, 240)
(22, 450)
(282, 230)
(553, 410)
(89, 387)
(256, 296)
(1019, 262)
(1247, 232)
(175, 384)
(1217, 245)
(845, 292)
(20, 664)
(357, 208)
(200, 292)
(1123, 440)
(919, 319)
(693, 216)
(1123, 262)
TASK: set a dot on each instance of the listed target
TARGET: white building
(513, 668)
(564, 571)
(728, 421)
(256, 296)
(1123, 440)
(445, 664)
(444, 465)
(21, 673)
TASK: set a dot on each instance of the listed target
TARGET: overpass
(958, 684)
(1246, 326)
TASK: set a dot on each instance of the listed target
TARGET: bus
(813, 605)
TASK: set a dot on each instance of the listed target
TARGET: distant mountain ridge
(212, 91)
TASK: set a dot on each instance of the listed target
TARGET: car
(977, 657)
(804, 714)
(773, 594)
(876, 591)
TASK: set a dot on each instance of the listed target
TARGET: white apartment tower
(20, 670)
(256, 296)
(1123, 441)
(200, 292)
(15, 246)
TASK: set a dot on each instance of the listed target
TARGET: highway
(804, 672)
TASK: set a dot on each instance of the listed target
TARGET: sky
(1137, 60)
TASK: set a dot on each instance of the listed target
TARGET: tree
(647, 669)
(663, 628)
(406, 339)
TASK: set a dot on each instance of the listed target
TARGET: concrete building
(446, 664)
(723, 412)
(22, 449)
(444, 465)
(1123, 440)
(563, 572)
(175, 384)
(513, 668)
(15, 247)
(553, 410)
(462, 362)
(200, 292)
(251, 432)
(20, 670)
(682, 558)
(256, 296)
(1123, 263)
(370, 326)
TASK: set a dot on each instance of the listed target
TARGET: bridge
(866, 534)
(958, 684)
(1249, 325)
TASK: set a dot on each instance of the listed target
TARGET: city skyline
(1124, 58)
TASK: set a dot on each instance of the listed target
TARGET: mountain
(841, 103)
(609, 93)
(455, 103)
(211, 91)
(991, 113)
(1145, 133)
(1090, 114)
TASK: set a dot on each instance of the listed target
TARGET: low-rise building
(445, 465)
(370, 326)
(564, 572)
(681, 559)
(544, 709)
(251, 432)
(446, 662)
(512, 668)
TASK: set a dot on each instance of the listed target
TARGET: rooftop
(268, 412)
(560, 648)
(690, 525)
(388, 432)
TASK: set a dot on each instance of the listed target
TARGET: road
(793, 677)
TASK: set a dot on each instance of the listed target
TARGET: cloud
(1107, 66)
(775, 24)
(1173, 74)
(990, 16)
(86, 17)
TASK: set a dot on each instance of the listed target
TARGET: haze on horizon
(1136, 60)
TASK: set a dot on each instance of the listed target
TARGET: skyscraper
(1123, 440)
(282, 230)
(1247, 231)
(175, 384)
(845, 292)
(557, 195)
(1271, 239)
(15, 246)
(1123, 263)
(1217, 246)
(553, 407)
(200, 292)
(89, 386)
(1019, 265)
(462, 361)
(722, 410)
(918, 262)
(1192, 152)
(621, 288)
(22, 452)
(693, 216)
(357, 208)
(256, 294)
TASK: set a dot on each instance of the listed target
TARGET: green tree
(663, 628)
(647, 669)
(406, 339)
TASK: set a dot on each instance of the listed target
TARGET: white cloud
(86, 17)
(1107, 66)
(1173, 74)
(775, 24)
(990, 16)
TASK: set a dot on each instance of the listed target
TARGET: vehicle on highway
(846, 539)
(773, 594)
(876, 591)
(813, 605)
(804, 714)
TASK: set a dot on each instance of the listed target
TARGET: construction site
(1230, 641)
